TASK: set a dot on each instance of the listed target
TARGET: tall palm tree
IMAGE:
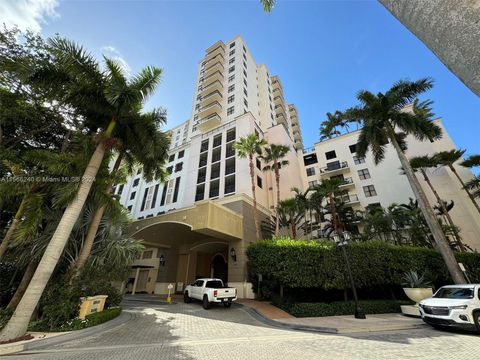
(144, 145)
(249, 147)
(107, 99)
(382, 116)
(274, 156)
(449, 158)
(328, 128)
(421, 164)
(330, 190)
(442, 26)
(292, 214)
(304, 203)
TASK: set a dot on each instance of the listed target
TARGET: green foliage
(5, 315)
(78, 324)
(413, 280)
(343, 308)
(312, 264)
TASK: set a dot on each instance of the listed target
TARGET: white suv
(453, 306)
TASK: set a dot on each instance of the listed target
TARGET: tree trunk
(334, 212)
(18, 324)
(464, 188)
(255, 212)
(27, 277)
(277, 181)
(13, 226)
(458, 239)
(442, 244)
(92, 229)
(449, 28)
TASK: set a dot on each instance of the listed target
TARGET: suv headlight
(458, 307)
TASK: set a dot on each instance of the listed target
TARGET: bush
(343, 308)
(77, 324)
(311, 264)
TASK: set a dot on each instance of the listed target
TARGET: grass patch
(342, 308)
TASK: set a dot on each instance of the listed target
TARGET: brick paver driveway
(187, 331)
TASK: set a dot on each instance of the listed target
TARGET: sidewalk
(344, 324)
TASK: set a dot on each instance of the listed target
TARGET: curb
(329, 330)
(124, 317)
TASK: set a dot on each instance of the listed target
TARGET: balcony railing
(334, 167)
(347, 181)
(350, 198)
(309, 150)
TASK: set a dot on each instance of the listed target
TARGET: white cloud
(27, 14)
(112, 52)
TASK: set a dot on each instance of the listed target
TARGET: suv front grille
(433, 310)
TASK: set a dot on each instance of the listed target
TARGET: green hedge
(343, 308)
(312, 264)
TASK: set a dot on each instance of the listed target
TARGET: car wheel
(186, 299)
(476, 320)
(206, 303)
(227, 304)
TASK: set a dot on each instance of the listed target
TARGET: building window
(244, 49)
(259, 164)
(231, 52)
(245, 102)
(144, 199)
(231, 88)
(120, 189)
(169, 170)
(175, 191)
(312, 183)
(310, 171)
(197, 106)
(369, 191)
(171, 158)
(135, 182)
(181, 154)
(164, 194)
(330, 155)
(129, 208)
(179, 167)
(231, 99)
(358, 160)
(230, 110)
(232, 45)
(245, 82)
(244, 73)
(154, 200)
(245, 92)
(245, 64)
(363, 174)
(353, 148)
(231, 78)
(231, 61)
(132, 196)
(259, 182)
(147, 254)
(232, 69)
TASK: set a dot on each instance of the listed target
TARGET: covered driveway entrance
(187, 244)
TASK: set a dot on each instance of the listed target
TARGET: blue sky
(324, 52)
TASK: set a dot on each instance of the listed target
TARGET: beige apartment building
(199, 222)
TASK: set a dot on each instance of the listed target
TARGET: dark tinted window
(330, 155)
(199, 283)
(214, 284)
(353, 148)
(454, 293)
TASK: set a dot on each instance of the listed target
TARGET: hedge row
(343, 308)
(312, 264)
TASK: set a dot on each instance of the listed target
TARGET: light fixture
(233, 254)
(162, 260)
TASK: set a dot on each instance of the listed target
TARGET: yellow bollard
(169, 298)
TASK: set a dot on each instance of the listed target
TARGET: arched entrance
(219, 267)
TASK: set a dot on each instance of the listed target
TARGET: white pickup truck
(210, 291)
(453, 306)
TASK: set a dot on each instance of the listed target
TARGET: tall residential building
(200, 221)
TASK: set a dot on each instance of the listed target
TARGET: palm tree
(330, 190)
(292, 214)
(104, 97)
(448, 158)
(304, 203)
(328, 128)
(441, 27)
(421, 164)
(274, 156)
(248, 147)
(382, 115)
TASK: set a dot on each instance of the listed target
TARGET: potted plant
(417, 287)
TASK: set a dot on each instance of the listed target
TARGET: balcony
(278, 100)
(211, 97)
(350, 199)
(217, 66)
(213, 60)
(212, 86)
(209, 123)
(347, 182)
(214, 76)
(297, 135)
(335, 168)
(216, 50)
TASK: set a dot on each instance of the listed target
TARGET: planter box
(91, 304)
(418, 294)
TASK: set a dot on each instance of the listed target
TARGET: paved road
(186, 331)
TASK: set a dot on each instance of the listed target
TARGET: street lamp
(342, 240)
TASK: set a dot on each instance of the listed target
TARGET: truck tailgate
(226, 293)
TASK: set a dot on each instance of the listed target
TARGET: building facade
(200, 221)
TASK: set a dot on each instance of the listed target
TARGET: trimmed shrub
(343, 308)
(312, 264)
